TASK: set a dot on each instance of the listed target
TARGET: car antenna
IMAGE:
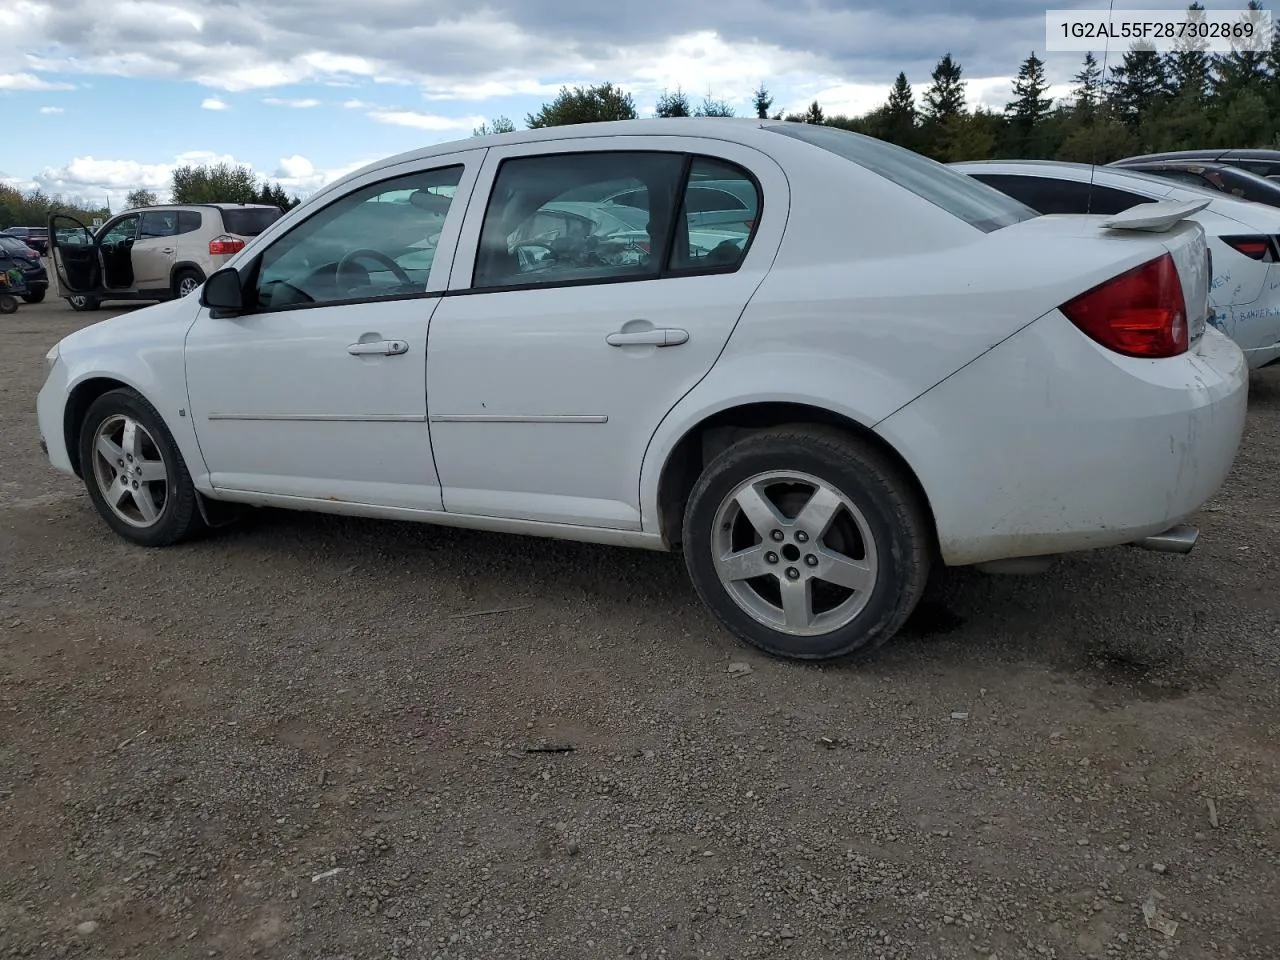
(1093, 167)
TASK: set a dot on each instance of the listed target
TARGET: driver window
(376, 242)
(557, 218)
(122, 230)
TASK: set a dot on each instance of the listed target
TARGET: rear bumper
(1050, 444)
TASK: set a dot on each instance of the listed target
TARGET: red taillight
(1260, 247)
(1140, 313)
(225, 245)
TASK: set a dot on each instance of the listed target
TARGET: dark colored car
(16, 252)
(37, 238)
(1214, 176)
(1263, 162)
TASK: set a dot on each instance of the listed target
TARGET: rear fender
(838, 384)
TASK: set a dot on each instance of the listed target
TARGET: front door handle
(658, 337)
(168, 250)
(381, 348)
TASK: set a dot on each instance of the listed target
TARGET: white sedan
(1244, 237)
(892, 366)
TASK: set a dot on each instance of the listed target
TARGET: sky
(98, 97)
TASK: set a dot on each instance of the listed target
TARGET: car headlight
(50, 359)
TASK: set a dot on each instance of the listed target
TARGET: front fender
(839, 384)
(143, 351)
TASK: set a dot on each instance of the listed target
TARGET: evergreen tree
(762, 102)
(1241, 70)
(672, 104)
(945, 98)
(898, 118)
(1029, 107)
(1187, 65)
(1138, 84)
(713, 108)
(1088, 87)
(814, 114)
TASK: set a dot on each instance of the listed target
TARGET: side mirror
(223, 293)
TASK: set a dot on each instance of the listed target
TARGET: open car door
(74, 252)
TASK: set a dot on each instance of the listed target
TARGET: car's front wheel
(33, 296)
(134, 472)
(81, 302)
(807, 543)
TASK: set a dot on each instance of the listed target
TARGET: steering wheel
(378, 256)
(540, 263)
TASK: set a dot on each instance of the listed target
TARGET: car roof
(1174, 155)
(745, 130)
(200, 206)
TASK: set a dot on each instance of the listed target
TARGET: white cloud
(295, 167)
(300, 104)
(213, 103)
(29, 81)
(354, 104)
(51, 110)
(425, 121)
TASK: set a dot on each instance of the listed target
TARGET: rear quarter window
(189, 221)
(250, 221)
(975, 203)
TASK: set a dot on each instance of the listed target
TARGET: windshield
(250, 221)
(973, 202)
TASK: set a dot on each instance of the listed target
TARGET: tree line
(1145, 103)
(216, 183)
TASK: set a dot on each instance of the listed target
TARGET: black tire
(186, 276)
(81, 302)
(8, 303)
(34, 296)
(891, 513)
(179, 517)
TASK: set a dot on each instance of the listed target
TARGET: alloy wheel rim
(794, 553)
(77, 301)
(187, 286)
(130, 471)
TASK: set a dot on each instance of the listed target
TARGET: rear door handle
(658, 337)
(381, 348)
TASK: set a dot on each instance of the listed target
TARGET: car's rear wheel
(807, 543)
(79, 301)
(134, 472)
(187, 281)
(33, 296)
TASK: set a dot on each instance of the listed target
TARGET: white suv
(150, 253)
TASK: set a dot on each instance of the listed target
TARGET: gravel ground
(314, 737)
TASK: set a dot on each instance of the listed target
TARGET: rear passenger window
(719, 210)
(189, 221)
(553, 219)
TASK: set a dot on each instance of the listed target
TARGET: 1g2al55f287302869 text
(1219, 31)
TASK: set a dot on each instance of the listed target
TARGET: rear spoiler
(1155, 217)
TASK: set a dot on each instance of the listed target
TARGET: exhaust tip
(1179, 539)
